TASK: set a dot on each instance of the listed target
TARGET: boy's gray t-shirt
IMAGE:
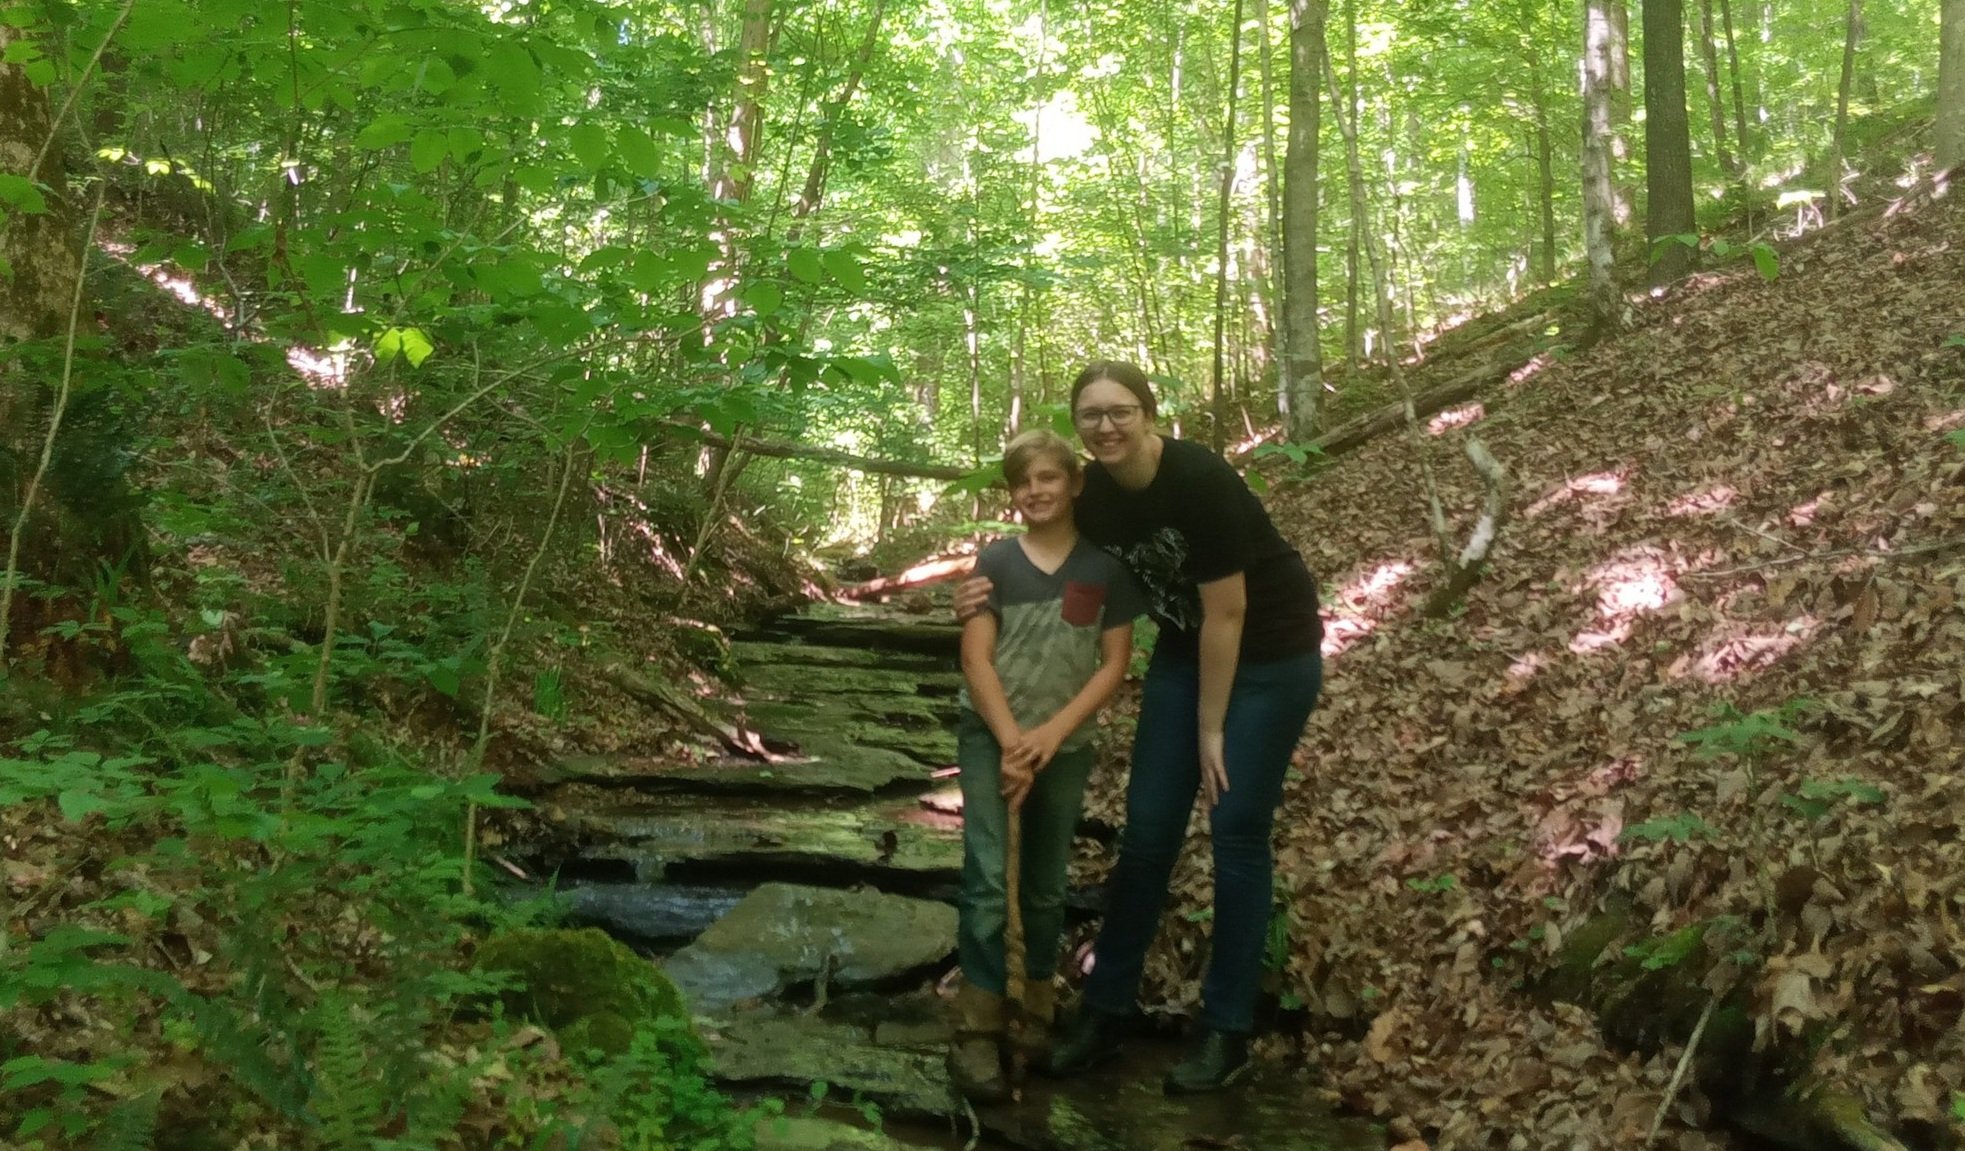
(1049, 625)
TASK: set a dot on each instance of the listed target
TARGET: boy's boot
(1215, 1061)
(1084, 1040)
(1035, 1020)
(975, 1057)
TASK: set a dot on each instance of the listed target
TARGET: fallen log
(680, 705)
(1370, 426)
(1472, 563)
(926, 572)
(779, 449)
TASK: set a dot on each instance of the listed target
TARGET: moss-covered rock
(593, 992)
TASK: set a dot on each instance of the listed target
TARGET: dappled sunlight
(1638, 583)
(1734, 650)
(1524, 669)
(1530, 370)
(1594, 484)
(1361, 606)
(1946, 422)
(1803, 515)
(1454, 418)
(1704, 502)
(321, 370)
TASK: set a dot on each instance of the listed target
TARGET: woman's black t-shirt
(1195, 523)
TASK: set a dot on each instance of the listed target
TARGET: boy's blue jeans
(1050, 816)
(1267, 711)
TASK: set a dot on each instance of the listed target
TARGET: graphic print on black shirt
(1158, 563)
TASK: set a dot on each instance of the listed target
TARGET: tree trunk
(813, 193)
(1545, 172)
(1667, 140)
(735, 171)
(1354, 351)
(1837, 141)
(1599, 220)
(1623, 191)
(1303, 375)
(1221, 233)
(1279, 328)
(1951, 86)
(1716, 106)
(1739, 85)
(39, 259)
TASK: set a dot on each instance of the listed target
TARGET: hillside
(1749, 501)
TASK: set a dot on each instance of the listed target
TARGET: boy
(1048, 650)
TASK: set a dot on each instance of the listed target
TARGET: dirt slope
(1752, 499)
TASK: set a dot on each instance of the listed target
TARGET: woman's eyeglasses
(1121, 415)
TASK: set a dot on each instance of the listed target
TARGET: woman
(1234, 676)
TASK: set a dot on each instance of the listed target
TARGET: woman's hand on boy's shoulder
(972, 596)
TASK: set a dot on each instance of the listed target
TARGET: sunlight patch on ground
(1524, 668)
(177, 284)
(1459, 417)
(1949, 421)
(1531, 369)
(1594, 484)
(1734, 650)
(1704, 502)
(1637, 583)
(1361, 607)
(1803, 515)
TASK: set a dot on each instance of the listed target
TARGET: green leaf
(20, 192)
(806, 264)
(638, 150)
(428, 149)
(1768, 264)
(1957, 340)
(590, 146)
(79, 805)
(436, 76)
(764, 297)
(409, 343)
(39, 73)
(845, 268)
(385, 131)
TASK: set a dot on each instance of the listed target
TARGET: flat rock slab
(836, 765)
(803, 1133)
(783, 934)
(901, 722)
(798, 682)
(758, 653)
(881, 837)
(782, 1050)
(834, 625)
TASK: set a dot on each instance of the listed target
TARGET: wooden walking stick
(1013, 953)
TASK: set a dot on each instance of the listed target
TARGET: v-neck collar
(1053, 573)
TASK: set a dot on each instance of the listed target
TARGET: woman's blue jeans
(1267, 710)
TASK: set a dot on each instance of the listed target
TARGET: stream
(807, 908)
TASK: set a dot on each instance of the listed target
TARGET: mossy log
(591, 991)
(1652, 995)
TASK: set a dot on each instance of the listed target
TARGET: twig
(1768, 536)
(75, 90)
(1678, 1075)
(1843, 553)
(11, 575)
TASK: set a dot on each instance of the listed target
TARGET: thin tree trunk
(1745, 141)
(1303, 374)
(1278, 257)
(1667, 140)
(1435, 512)
(1598, 203)
(1221, 234)
(1951, 86)
(1020, 360)
(1838, 141)
(1545, 171)
(813, 193)
(1353, 339)
(1621, 186)
(1715, 105)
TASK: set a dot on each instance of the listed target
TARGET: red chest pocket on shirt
(1082, 602)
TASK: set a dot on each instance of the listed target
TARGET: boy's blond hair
(1028, 447)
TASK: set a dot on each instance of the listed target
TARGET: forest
(481, 484)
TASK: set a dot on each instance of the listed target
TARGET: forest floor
(1752, 500)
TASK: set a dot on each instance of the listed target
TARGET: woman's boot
(975, 1058)
(1035, 1019)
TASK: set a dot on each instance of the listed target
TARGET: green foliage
(1681, 828)
(1433, 886)
(1747, 735)
(1816, 798)
(1765, 259)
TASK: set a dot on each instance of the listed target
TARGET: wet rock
(824, 765)
(782, 935)
(758, 653)
(647, 912)
(838, 625)
(890, 840)
(764, 1048)
(857, 682)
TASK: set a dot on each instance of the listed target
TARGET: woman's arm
(1115, 652)
(1224, 608)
